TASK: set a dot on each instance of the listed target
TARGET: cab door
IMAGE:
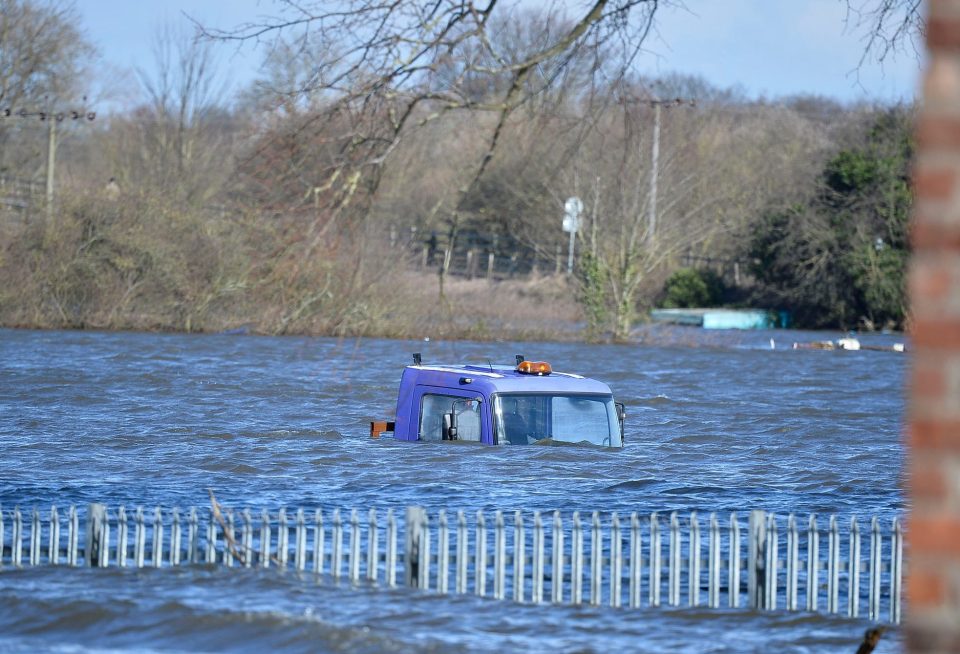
(435, 401)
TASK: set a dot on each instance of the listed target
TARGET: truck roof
(504, 379)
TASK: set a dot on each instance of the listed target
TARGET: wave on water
(633, 484)
(718, 430)
(248, 610)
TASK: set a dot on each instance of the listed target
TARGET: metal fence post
(414, 519)
(96, 514)
(756, 528)
(557, 581)
(443, 552)
(519, 554)
(673, 574)
(35, 537)
(53, 551)
(733, 571)
(813, 564)
(480, 556)
(693, 550)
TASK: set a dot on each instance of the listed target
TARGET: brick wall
(933, 538)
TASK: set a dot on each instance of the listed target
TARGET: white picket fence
(535, 558)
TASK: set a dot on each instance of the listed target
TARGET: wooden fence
(535, 558)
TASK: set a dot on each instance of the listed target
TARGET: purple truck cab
(503, 405)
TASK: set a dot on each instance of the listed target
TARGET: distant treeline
(275, 206)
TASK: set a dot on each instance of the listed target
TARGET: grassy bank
(103, 264)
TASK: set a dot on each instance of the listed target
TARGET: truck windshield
(522, 419)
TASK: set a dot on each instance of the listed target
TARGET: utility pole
(52, 119)
(654, 172)
(657, 103)
(51, 163)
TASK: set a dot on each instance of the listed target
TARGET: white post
(415, 516)
(35, 538)
(616, 562)
(373, 542)
(896, 570)
(283, 538)
(576, 561)
(96, 514)
(391, 563)
(853, 570)
(157, 537)
(300, 546)
(833, 567)
(636, 561)
(755, 559)
(174, 538)
(443, 553)
(813, 564)
(876, 546)
(537, 591)
(463, 565)
(265, 538)
(713, 585)
(499, 557)
(557, 585)
(355, 546)
(519, 554)
(53, 551)
(318, 542)
(596, 561)
(655, 560)
(480, 558)
(693, 578)
(792, 562)
(734, 568)
(673, 579)
(423, 565)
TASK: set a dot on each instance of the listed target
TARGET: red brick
(943, 33)
(938, 133)
(934, 535)
(928, 381)
(936, 183)
(937, 236)
(925, 588)
(926, 482)
(936, 332)
(929, 282)
(927, 435)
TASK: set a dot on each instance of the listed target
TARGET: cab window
(435, 407)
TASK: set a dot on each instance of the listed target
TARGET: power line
(51, 118)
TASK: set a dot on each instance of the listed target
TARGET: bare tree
(889, 26)
(43, 62)
(177, 142)
(388, 68)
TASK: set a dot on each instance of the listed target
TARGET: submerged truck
(522, 404)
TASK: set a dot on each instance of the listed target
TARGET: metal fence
(767, 562)
(20, 193)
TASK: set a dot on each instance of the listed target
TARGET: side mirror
(621, 416)
(449, 426)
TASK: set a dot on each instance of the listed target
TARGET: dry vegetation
(271, 208)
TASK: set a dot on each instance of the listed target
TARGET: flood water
(720, 423)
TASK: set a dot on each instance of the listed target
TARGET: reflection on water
(157, 419)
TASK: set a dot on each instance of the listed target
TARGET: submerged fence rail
(768, 562)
